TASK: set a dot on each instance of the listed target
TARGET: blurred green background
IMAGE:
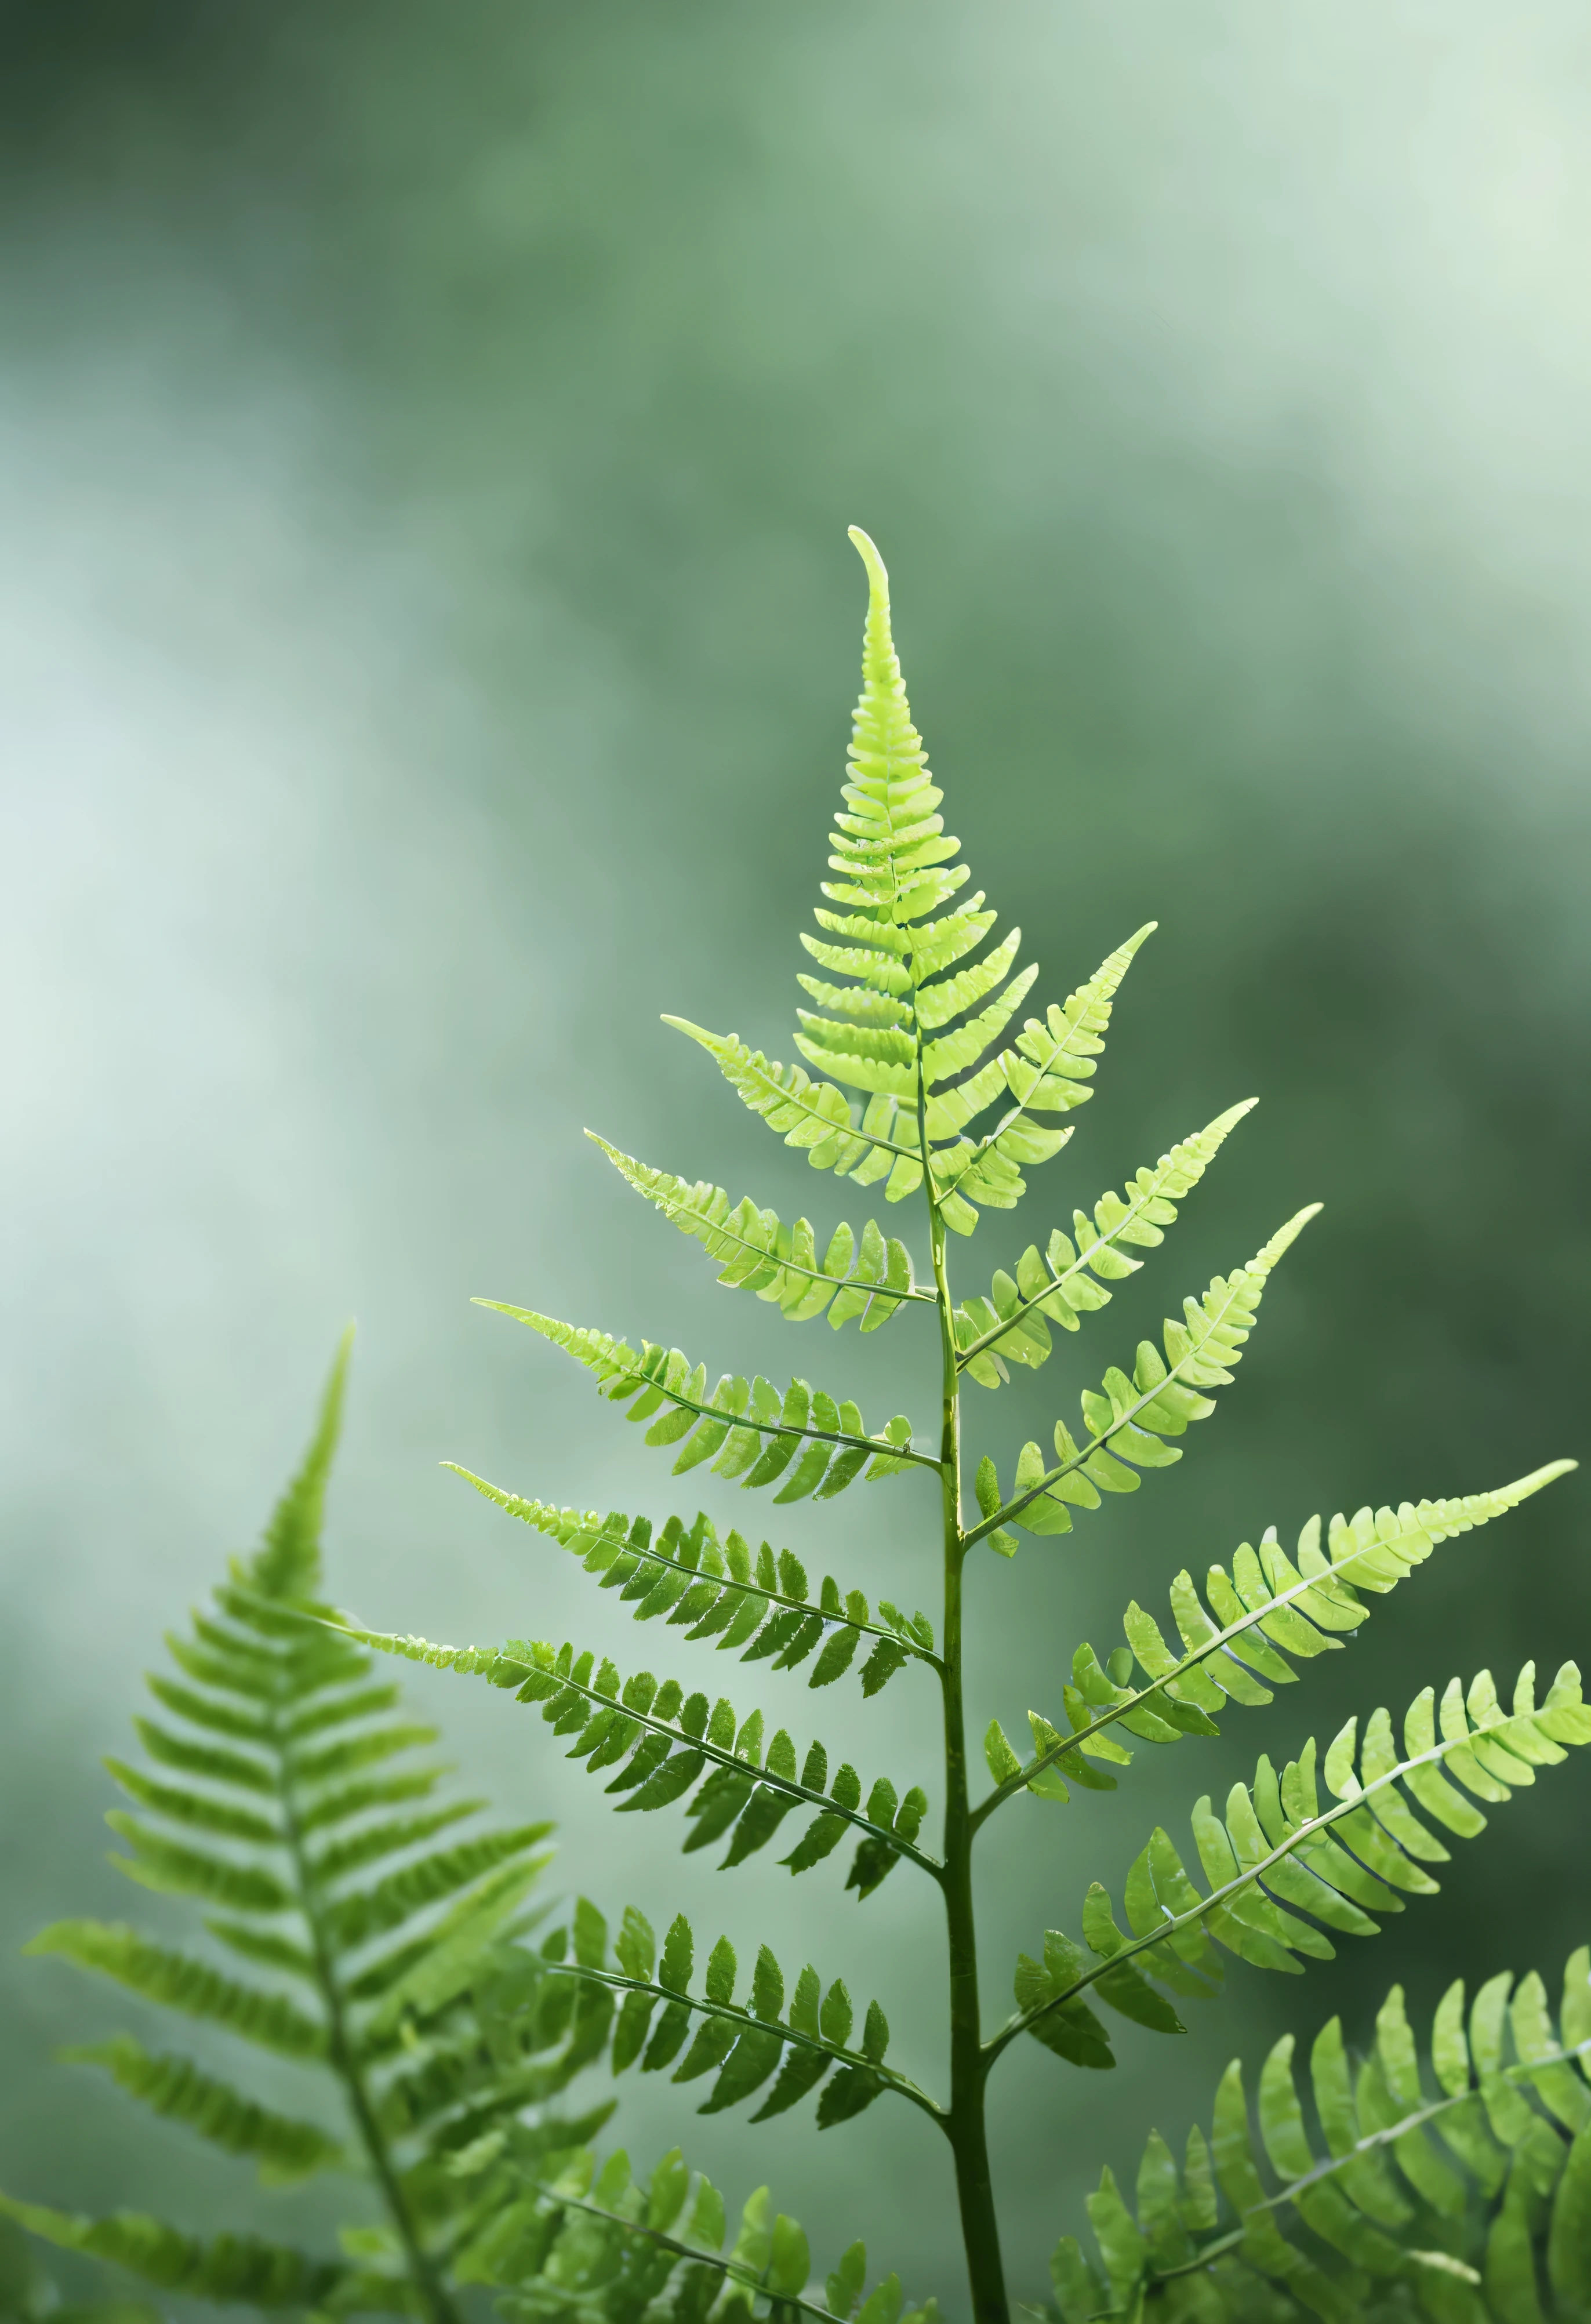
(427, 439)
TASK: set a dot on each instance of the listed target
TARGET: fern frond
(754, 1431)
(668, 1742)
(1129, 1422)
(230, 2267)
(172, 1980)
(278, 1749)
(657, 2246)
(1463, 2176)
(816, 1117)
(798, 2037)
(351, 1921)
(1267, 1609)
(760, 1608)
(1067, 1280)
(1045, 1072)
(178, 2089)
(907, 1034)
(757, 1251)
(1277, 1856)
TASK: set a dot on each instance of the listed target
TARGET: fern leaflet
(1129, 1422)
(594, 2239)
(1266, 1605)
(1278, 1864)
(1465, 2176)
(759, 1252)
(754, 1431)
(1012, 1325)
(669, 1741)
(757, 1607)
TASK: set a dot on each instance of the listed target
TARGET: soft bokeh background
(427, 436)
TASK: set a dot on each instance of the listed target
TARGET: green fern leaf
(1070, 1279)
(1125, 1427)
(1045, 1072)
(198, 1809)
(231, 2267)
(754, 1431)
(890, 1032)
(174, 1870)
(175, 2087)
(657, 2246)
(1267, 1609)
(173, 1981)
(757, 1251)
(815, 1116)
(277, 1751)
(757, 1607)
(668, 1743)
(351, 1921)
(1483, 2188)
(1280, 1866)
(745, 2043)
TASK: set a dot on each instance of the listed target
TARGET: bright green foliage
(922, 1075)
(29, 2296)
(1067, 1280)
(758, 1252)
(922, 1072)
(757, 1607)
(1462, 2178)
(1265, 1610)
(669, 1741)
(598, 2242)
(1278, 1864)
(912, 1024)
(1124, 1428)
(755, 1432)
(282, 1793)
(777, 2042)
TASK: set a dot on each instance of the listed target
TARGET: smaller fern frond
(1067, 1280)
(818, 1118)
(1283, 1871)
(754, 1431)
(657, 2246)
(1045, 1072)
(283, 1794)
(757, 1607)
(1464, 2175)
(791, 2039)
(755, 1250)
(1266, 1608)
(1128, 1423)
(669, 1741)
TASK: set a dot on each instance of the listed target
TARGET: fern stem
(964, 2123)
(343, 2059)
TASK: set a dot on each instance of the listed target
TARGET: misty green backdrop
(427, 441)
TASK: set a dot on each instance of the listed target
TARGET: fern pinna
(924, 1076)
(1477, 2221)
(281, 1789)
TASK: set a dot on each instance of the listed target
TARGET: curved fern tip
(1285, 1238)
(878, 572)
